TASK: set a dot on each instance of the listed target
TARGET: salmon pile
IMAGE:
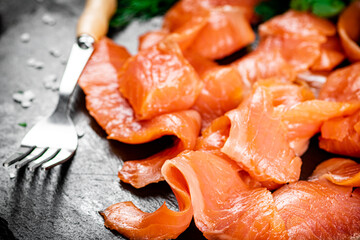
(238, 130)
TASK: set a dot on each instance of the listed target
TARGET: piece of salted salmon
(345, 141)
(316, 210)
(227, 31)
(300, 25)
(340, 171)
(326, 206)
(261, 64)
(184, 10)
(300, 53)
(113, 113)
(342, 85)
(184, 35)
(227, 28)
(222, 91)
(229, 209)
(331, 55)
(349, 31)
(159, 80)
(258, 143)
(308, 43)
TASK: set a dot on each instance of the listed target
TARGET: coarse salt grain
(32, 62)
(24, 98)
(48, 19)
(25, 37)
(55, 52)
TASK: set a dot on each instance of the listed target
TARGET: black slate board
(63, 203)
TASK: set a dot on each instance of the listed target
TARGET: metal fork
(54, 140)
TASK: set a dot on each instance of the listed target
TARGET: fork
(54, 140)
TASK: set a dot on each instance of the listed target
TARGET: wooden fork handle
(94, 20)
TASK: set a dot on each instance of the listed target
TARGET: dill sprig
(129, 10)
(321, 8)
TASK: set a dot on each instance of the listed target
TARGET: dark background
(63, 203)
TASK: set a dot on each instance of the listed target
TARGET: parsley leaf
(321, 8)
(271, 8)
(22, 124)
(129, 10)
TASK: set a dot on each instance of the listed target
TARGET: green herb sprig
(321, 8)
(129, 10)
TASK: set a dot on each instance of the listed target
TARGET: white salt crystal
(25, 104)
(18, 97)
(28, 95)
(25, 37)
(55, 52)
(48, 19)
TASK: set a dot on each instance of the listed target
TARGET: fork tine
(61, 157)
(49, 154)
(37, 152)
(20, 153)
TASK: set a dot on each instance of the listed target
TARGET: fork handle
(92, 25)
(95, 18)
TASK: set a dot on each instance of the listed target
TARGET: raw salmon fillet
(342, 85)
(346, 141)
(301, 25)
(229, 209)
(159, 80)
(257, 141)
(113, 113)
(227, 27)
(291, 43)
(331, 55)
(265, 64)
(227, 31)
(223, 89)
(349, 31)
(315, 210)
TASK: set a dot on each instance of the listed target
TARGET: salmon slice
(151, 38)
(200, 64)
(305, 119)
(159, 80)
(184, 10)
(226, 31)
(300, 25)
(227, 27)
(222, 92)
(229, 209)
(314, 210)
(340, 171)
(284, 95)
(184, 125)
(331, 55)
(183, 35)
(107, 58)
(300, 53)
(265, 64)
(164, 223)
(342, 85)
(258, 143)
(215, 135)
(349, 31)
(113, 113)
(346, 141)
